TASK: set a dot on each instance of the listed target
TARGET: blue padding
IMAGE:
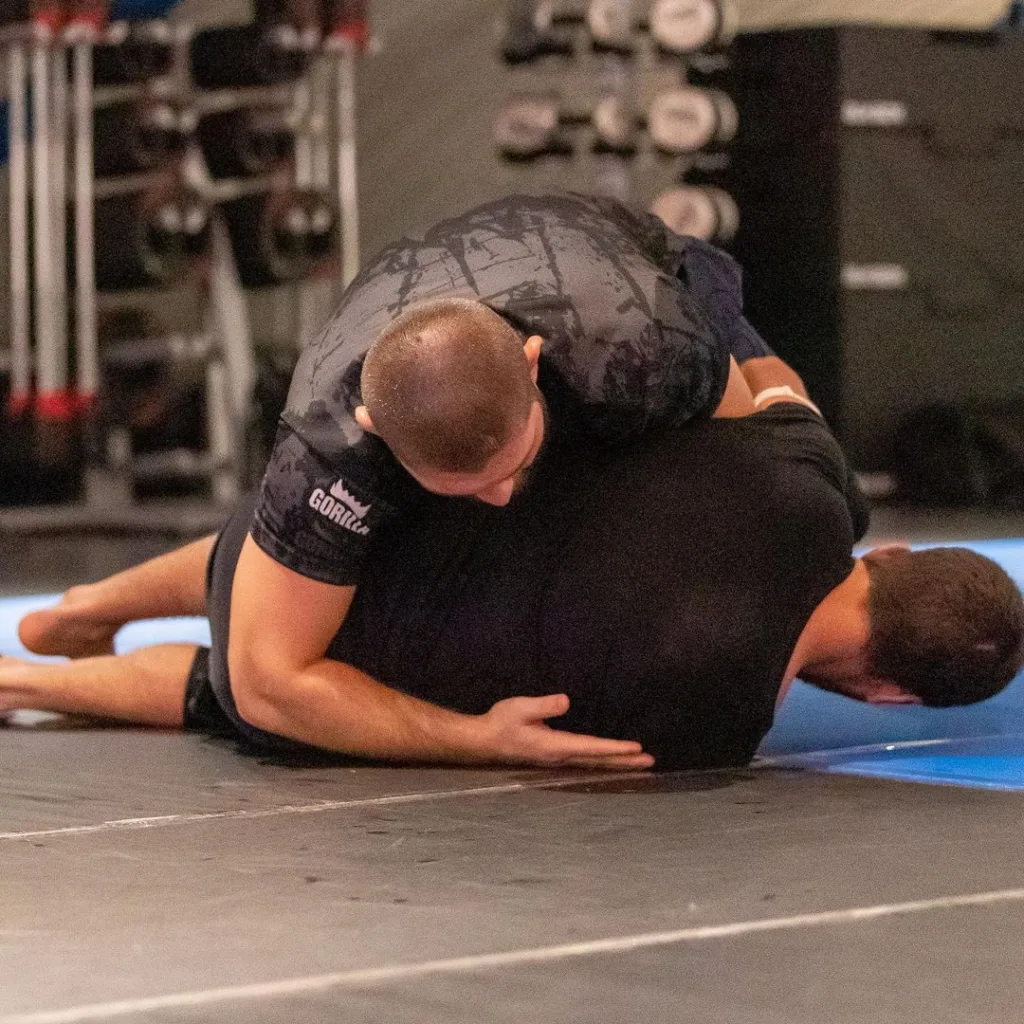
(140, 10)
(138, 634)
(995, 762)
(811, 719)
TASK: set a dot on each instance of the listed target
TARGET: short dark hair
(447, 385)
(947, 625)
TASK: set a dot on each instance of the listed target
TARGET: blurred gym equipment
(236, 56)
(245, 141)
(606, 142)
(530, 126)
(699, 210)
(134, 136)
(683, 27)
(133, 52)
(277, 236)
(687, 119)
(612, 25)
(615, 125)
(140, 10)
(529, 34)
(161, 178)
(143, 238)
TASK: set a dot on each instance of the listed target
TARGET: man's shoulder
(320, 510)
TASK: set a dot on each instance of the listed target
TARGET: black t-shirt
(629, 338)
(662, 585)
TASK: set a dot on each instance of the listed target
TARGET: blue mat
(993, 762)
(982, 745)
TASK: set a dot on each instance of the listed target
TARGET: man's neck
(834, 641)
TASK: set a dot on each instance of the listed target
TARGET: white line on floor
(317, 807)
(485, 961)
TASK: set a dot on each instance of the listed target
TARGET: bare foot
(71, 628)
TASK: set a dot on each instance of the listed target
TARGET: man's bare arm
(281, 626)
(773, 380)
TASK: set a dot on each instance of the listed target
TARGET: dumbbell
(688, 119)
(682, 27)
(305, 17)
(278, 236)
(136, 136)
(144, 238)
(615, 125)
(239, 56)
(154, 382)
(245, 141)
(138, 53)
(530, 125)
(702, 211)
(611, 24)
(528, 33)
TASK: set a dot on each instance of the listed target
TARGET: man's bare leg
(145, 687)
(83, 624)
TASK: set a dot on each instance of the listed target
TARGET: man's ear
(883, 691)
(532, 352)
(363, 419)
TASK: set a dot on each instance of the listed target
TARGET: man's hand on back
(514, 731)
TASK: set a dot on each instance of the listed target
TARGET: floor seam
(490, 961)
(315, 807)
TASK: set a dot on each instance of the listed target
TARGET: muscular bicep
(281, 622)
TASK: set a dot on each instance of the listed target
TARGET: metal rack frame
(36, 62)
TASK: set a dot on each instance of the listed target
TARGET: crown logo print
(339, 492)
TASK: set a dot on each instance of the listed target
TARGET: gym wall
(427, 99)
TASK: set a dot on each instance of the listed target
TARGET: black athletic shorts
(209, 704)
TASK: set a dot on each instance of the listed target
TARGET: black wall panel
(880, 174)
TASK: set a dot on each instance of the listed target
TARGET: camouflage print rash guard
(604, 286)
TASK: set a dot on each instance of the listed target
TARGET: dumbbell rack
(36, 60)
(675, 51)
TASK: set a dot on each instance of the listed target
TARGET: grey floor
(166, 878)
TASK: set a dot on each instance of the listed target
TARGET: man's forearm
(337, 707)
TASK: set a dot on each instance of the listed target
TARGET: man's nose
(499, 493)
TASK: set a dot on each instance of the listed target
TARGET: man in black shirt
(598, 295)
(607, 592)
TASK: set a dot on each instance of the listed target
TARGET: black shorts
(209, 703)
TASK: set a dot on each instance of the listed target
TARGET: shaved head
(448, 385)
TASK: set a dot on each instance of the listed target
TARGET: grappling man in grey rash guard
(704, 599)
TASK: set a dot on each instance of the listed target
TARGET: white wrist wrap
(783, 391)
